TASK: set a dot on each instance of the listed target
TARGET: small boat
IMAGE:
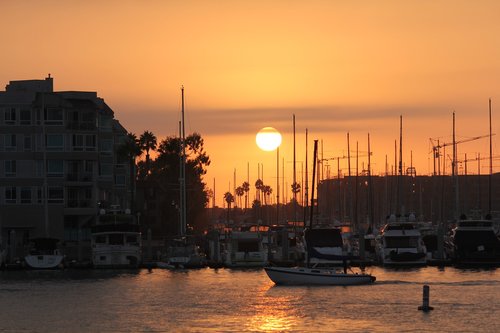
(315, 276)
(44, 254)
(116, 240)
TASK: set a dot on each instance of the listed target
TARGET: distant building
(62, 144)
(429, 198)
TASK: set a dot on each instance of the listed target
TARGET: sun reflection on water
(274, 313)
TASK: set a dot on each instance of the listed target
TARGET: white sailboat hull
(44, 261)
(313, 276)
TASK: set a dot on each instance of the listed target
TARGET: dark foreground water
(224, 300)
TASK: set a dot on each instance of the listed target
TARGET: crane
(436, 146)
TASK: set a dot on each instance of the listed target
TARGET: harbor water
(225, 300)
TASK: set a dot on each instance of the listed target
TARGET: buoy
(425, 300)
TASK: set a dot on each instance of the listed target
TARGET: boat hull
(44, 261)
(311, 276)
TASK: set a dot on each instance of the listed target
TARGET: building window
(39, 195)
(10, 195)
(55, 168)
(39, 168)
(120, 180)
(25, 117)
(25, 195)
(90, 142)
(106, 146)
(56, 194)
(27, 143)
(54, 116)
(78, 142)
(106, 170)
(54, 142)
(10, 116)
(10, 168)
(10, 142)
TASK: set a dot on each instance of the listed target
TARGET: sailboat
(44, 252)
(314, 275)
(182, 251)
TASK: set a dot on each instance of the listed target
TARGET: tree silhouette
(246, 188)
(258, 186)
(239, 192)
(129, 150)
(229, 198)
(147, 142)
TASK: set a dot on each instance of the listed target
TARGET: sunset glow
(338, 66)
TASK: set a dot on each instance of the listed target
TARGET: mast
(313, 181)
(182, 178)
(306, 192)
(294, 175)
(454, 170)
(491, 165)
(400, 165)
(45, 183)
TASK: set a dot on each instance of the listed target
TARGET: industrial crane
(436, 146)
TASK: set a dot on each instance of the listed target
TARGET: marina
(245, 300)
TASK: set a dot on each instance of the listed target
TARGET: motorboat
(182, 253)
(244, 249)
(400, 243)
(475, 242)
(44, 254)
(315, 276)
(324, 247)
(116, 240)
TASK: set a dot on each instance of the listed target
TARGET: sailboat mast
(294, 176)
(491, 164)
(183, 169)
(313, 181)
(306, 193)
(45, 184)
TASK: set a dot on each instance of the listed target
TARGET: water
(225, 300)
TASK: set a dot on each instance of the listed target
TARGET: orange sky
(339, 66)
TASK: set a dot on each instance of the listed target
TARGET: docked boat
(244, 249)
(116, 240)
(400, 243)
(324, 247)
(44, 254)
(182, 253)
(475, 242)
(315, 276)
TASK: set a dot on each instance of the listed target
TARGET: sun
(268, 139)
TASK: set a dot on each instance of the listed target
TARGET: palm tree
(246, 189)
(130, 149)
(258, 186)
(147, 142)
(267, 190)
(239, 192)
(229, 198)
(295, 190)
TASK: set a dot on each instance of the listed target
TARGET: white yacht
(400, 243)
(116, 240)
(244, 249)
(44, 254)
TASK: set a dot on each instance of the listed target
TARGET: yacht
(476, 242)
(44, 254)
(182, 253)
(244, 249)
(116, 240)
(401, 243)
(324, 247)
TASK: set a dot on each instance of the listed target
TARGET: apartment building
(58, 165)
